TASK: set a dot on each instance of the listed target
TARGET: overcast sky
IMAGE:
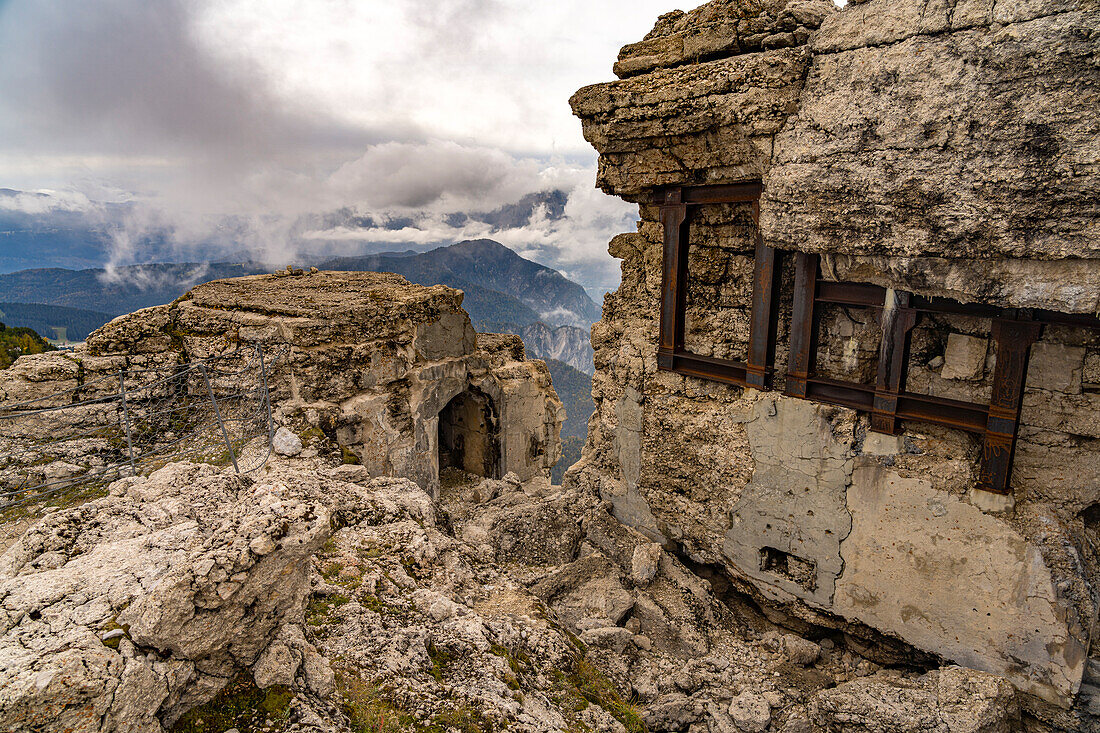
(273, 108)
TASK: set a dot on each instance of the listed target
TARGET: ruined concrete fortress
(854, 363)
(392, 372)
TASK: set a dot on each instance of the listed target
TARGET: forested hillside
(14, 342)
(53, 321)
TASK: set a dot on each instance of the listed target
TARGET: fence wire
(133, 421)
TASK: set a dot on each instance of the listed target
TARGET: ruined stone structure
(391, 371)
(854, 362)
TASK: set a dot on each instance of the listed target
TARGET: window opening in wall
(889, 316)
(789, 567)
(469, 435)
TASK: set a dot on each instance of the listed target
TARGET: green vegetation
(441, 659)
(462, 718)
(15, 342)
(596, 688)
(240, 705)
(367, 707)
(320, 608)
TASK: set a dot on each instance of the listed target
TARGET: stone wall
(944, 149)
(368, 358)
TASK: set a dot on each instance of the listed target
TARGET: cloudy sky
(270, 109)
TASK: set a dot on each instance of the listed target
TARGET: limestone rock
(965, 357)
(951, 700)
(122, 613)
(750, 712)
(286, 443)
(643, 563)
(167, 559)
(882, 141)
(722, 28)
(588, 587)
(547, 532)
(690, 124)
(860, 145)
(800, 651)
(1056, 367)
(367, 360)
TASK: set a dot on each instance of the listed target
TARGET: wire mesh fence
(133, 421)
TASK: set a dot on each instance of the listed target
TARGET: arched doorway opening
(469, 434)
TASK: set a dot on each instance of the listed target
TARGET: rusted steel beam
(845, 394)
(708, 367)
(1067, 319)
(855, 294)
(724, 194)
(946, 305)
(673, 215)
(956, 414)
(765, 312)
(1013, 339)
(968, 416)
(896, 321)
(727, 193)
(800, 363)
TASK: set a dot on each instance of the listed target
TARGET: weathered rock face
(122, 613)
(926, 176)
(368, 358)
(969, 123)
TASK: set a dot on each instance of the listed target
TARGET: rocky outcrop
(948, 150)
(967, 123)
(313, 598)
(951, 700)
(567, 344)
(722, 29)
(122, 613)
(367, 358)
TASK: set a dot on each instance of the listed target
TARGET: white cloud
(257, 112)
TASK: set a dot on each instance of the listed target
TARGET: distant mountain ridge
(503, 291)
(488, 264)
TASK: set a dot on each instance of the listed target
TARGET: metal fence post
(267, 397)
(126, 420)
(218, 414)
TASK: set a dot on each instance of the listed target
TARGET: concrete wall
(801, 503)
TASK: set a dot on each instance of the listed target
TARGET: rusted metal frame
(969, 416)
(956, 414)
(887, 400)
(706, 367)
(800, 362)
(673, 215)
(765, 309)
(1013, 339)
(1066, 319)
(671, 354)
(733, 193)
(896, 321)
(860, 295)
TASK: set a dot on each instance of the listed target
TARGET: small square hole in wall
(789, 567)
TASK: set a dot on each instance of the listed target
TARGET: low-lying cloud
(223, 127)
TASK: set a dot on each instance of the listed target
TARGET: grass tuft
(240, 705)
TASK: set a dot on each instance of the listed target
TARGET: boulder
(123, 613)
(950, 700)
